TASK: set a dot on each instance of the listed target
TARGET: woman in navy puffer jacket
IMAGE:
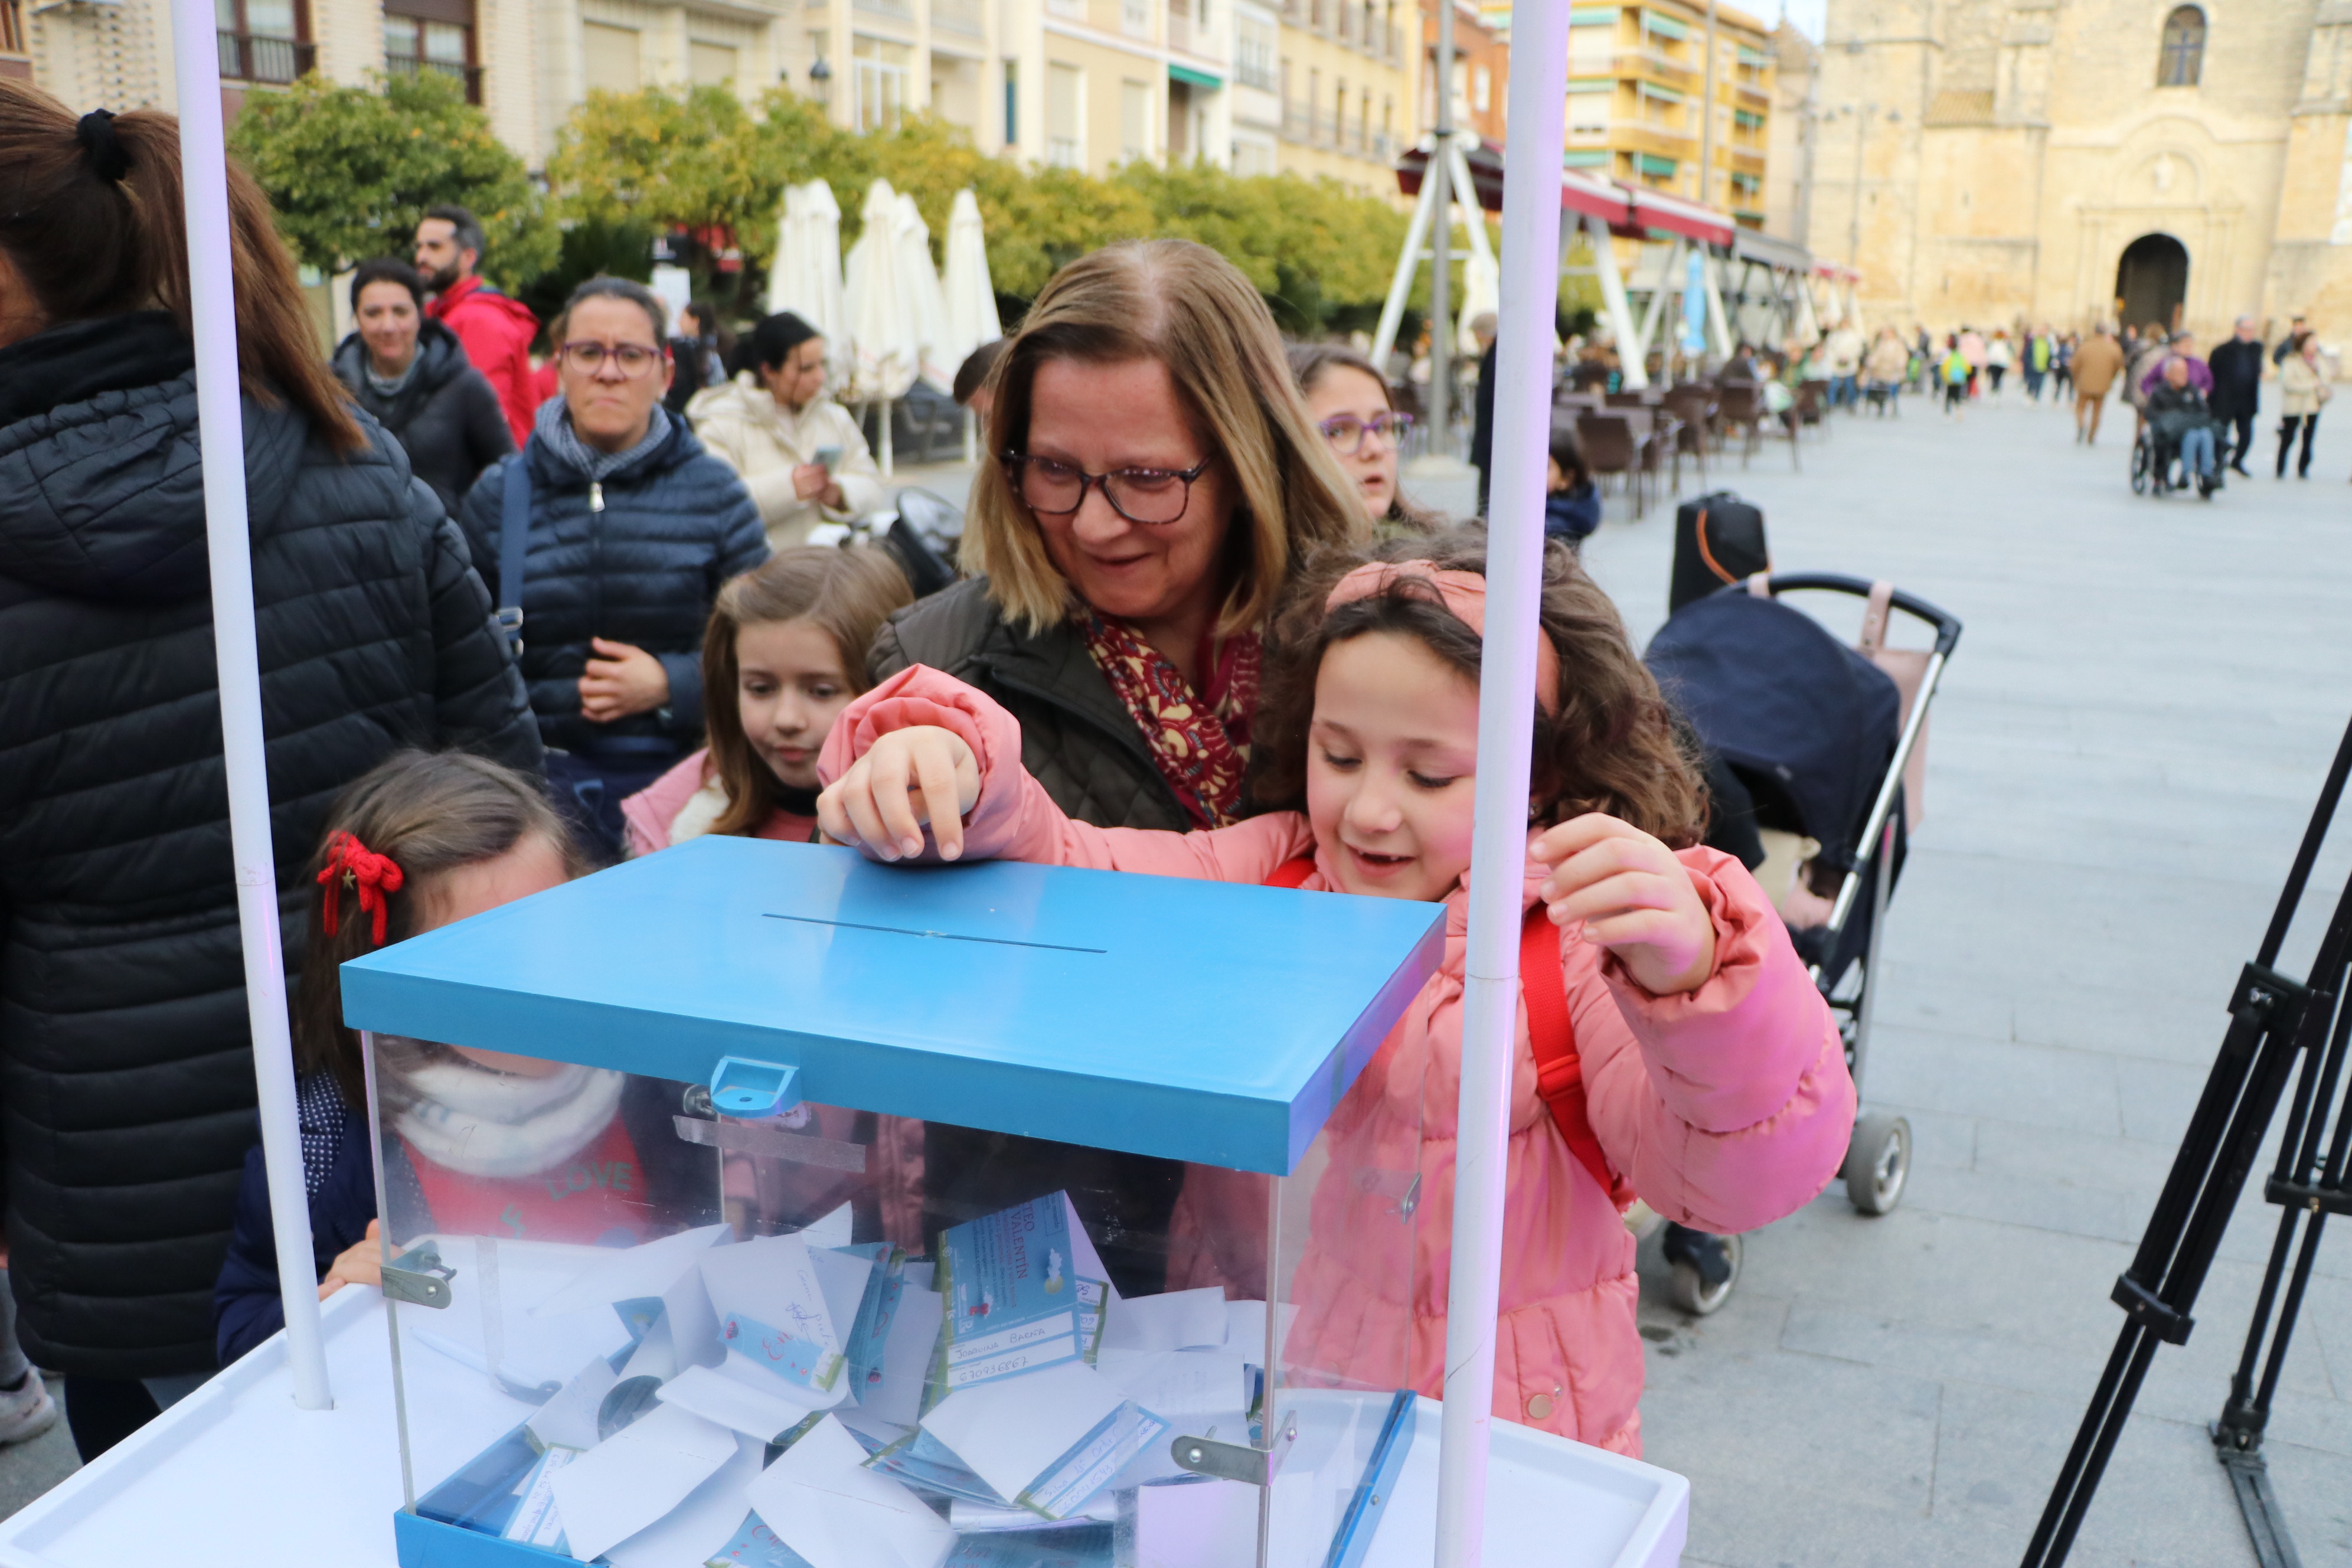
(633, 529)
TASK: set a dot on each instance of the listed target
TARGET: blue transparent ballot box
(754, 1203)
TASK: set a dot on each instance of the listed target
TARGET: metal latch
(1237, 1462)
(751, 1091)
(419, 1278)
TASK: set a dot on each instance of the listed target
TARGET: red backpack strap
(1560, 1073)
(1291, 873)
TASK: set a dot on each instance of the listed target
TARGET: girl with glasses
(1352, 406)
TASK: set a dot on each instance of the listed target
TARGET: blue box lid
(1193, 1020)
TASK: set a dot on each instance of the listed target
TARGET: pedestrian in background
(2000, 354)
(496, 331)
(1889, 365)
(1841, 358)
(1957, 375)
(126, 1068)
(2303, 388)
(412, 374)
(2237, 371)
(632, 528)
(1972, 350)
(971, 387)
(2036, 363)
(799, 453)
(2183, 421)
(1482, 408)
(2294, 328)
(2182, 346)
(2061, 365)
(2096, 364)
(694, 355)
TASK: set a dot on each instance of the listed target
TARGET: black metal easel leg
(2273, 1022)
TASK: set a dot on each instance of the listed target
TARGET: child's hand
(1634, 898)
(910, 777)
(362, 1263)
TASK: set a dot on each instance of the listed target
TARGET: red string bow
(352, 864)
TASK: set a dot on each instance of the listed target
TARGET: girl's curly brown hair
(1611, 745)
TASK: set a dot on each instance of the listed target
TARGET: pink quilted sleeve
(1015, 819)
(1730, 1106)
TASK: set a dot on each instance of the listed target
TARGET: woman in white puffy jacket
(771, 425)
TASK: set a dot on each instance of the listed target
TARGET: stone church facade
(2069, 161)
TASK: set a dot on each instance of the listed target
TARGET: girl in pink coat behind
(1714, 1074)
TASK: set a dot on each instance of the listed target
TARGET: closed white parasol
(806, 279)
(886, 354)
(970, 296)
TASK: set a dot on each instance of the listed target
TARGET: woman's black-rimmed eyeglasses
(1151, 497)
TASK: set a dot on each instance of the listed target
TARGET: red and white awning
(1657, 211)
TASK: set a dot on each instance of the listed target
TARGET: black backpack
(1719, 539)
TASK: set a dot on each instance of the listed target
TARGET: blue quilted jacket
(643, 569)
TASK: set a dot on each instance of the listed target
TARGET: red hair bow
(371, 875)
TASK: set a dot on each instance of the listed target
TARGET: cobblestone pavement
(2124, 753)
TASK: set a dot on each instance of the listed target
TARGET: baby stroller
(1828, 744)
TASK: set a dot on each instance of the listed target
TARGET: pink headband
(1464, 594)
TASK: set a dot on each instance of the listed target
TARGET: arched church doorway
(2151, 282)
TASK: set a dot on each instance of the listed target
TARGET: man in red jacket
(496, 332)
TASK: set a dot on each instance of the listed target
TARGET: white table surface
(235, 1476)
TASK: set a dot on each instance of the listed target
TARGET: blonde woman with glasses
(1153, 480)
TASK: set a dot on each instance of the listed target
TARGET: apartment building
(1347, 73)
(1482, 70)
(1087, 84)
(1636, 86)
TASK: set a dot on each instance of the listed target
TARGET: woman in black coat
(126, 1068)
(412, 374)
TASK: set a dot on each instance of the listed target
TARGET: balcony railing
(469, 76)
(253, 57)
(958, 16)
(1254, 73)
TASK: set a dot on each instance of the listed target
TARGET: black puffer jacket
(1076, 738)
(126, 1072)
(447, 417)
(643, 570)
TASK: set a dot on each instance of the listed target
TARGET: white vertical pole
(212, 308)
(1537, 108)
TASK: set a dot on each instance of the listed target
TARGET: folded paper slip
(771, 1301)
(1050, 1440)
(1025, 1290)
(821, 1500)
(636, 1476)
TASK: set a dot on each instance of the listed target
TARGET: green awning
(1748, 57)
(1592, 17)
(1665, 26)
(1186, 74)
(1744, 118)
(1651, 164)
(1593, 84)
(1662, 94)
(1582, 158)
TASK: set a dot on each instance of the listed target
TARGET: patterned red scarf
(1201, 748)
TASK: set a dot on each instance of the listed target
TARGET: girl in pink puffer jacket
(1713, 1075)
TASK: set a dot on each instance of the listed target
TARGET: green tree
(694, 161)
(350, 171)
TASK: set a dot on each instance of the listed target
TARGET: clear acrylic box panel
(629, 1328)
